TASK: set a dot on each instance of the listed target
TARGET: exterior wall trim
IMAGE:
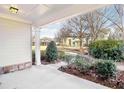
(15, 67)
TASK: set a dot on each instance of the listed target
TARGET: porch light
(13, 10)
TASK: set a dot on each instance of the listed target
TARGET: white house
(72, 42)
(17, 23)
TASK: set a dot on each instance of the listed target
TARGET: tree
(51, 52)
(89, 26)
(61, 35)
(104, 34)
(78, 27)
(116, 35)
(96, 23)
(116, 16)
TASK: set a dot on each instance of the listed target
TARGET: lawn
(59, 48)
(41, 47)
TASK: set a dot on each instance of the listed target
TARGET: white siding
(15, 42)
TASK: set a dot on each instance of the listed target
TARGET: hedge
(106, 69)
(107, 49)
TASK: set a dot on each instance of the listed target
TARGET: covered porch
(16, 46)
(17, 25)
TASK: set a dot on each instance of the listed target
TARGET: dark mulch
(116, 83)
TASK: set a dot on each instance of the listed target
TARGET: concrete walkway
(45, 77)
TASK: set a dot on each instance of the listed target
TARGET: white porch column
(37, 47)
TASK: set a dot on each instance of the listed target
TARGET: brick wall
(15, 67)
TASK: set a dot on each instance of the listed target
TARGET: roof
(47, 39)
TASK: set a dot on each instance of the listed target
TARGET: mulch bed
(115, 83)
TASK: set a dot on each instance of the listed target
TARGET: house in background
(72, 42)
(45, 41)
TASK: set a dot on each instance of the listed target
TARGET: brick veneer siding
(15, 67)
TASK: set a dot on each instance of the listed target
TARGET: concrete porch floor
(45, 77)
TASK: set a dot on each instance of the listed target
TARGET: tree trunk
(81, 49)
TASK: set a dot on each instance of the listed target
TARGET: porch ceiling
(42, 14)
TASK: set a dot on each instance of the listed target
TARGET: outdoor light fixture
(13, 10)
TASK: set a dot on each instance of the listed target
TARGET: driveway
(45, 77)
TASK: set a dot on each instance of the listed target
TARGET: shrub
(122, 50)
(106, 49)
(69, 58)
(106, 68)
(51, 52)
(61, 55)
(43, 54)
(33, 57)
(81, 64)
(66, 57)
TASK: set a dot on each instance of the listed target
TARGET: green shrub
(51, 52)
(122, 50)
(69, 58)
(81, 64)
(43, 54)
(33, 57)
(106, 68)
(106, 49)
(61, 55)
(65, 57)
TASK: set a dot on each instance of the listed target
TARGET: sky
(50, 30)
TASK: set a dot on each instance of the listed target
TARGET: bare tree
(97, 23)
(62, 34)
(78, 26)
(116, 34)
(116, 17)
(91, 23)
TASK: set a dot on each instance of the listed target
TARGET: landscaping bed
(116, 83)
